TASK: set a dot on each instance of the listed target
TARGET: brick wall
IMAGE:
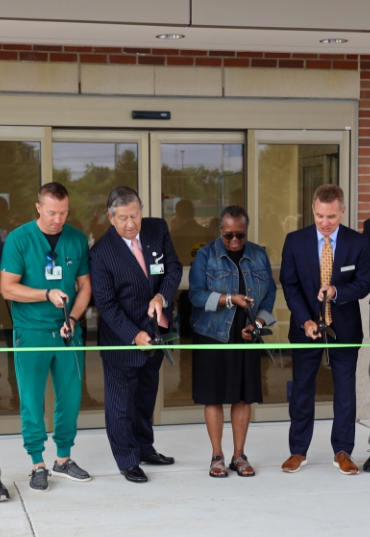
(364, 142)
(202, 58)
(159, 56)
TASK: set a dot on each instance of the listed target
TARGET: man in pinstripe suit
(128, 285)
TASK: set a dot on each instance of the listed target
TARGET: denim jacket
(213, 274)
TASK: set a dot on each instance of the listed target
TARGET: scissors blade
(167, 354)
(325, 337)
(169, 337)
(260, 339)
(330, 332)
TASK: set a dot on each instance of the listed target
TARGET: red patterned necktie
(326, 271)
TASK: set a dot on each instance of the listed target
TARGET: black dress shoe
(157, 458)
(366, 466)
(135, 474)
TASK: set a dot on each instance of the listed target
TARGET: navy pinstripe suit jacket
(122, 292)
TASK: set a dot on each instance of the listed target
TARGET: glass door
(91, 164)
(285, 168)
(193, 177)
(24, 162)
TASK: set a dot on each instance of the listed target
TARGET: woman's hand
(241, 300)
(245, 332)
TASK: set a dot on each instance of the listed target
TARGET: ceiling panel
(310, 14)
(62, 33)
(127, 11)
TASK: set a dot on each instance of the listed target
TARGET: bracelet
(228, 302)
(47, 294)
(73, 319)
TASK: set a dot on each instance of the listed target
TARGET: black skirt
(227, 376)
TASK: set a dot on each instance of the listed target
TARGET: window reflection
(288, 176)
(198, 181)
(20, 180)
(90, 171)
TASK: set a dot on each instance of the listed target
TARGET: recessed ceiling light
(170, 36)
(335, 41)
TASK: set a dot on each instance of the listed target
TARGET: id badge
(55, 275)
(157, 268)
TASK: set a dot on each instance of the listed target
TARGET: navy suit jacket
(122, 292)
(300, 279)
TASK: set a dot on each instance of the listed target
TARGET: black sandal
(239, 469)
(219, 463)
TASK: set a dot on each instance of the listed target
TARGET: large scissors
(322, 327)
(68, 339)
(257, 332)
(161, 339)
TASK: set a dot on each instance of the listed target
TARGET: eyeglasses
(230, 236)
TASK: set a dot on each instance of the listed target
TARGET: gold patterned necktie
(326, 271)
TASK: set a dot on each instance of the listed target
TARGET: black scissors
(257, 332)
(69, 333)
(68, 339)
(322, 327)
(161, 339)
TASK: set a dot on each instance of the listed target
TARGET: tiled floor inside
(182, 500)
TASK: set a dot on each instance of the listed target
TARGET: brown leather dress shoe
(294, 463)
(344, 462)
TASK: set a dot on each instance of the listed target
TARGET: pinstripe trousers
(130, 394)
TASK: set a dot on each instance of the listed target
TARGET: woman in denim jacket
(224, 275)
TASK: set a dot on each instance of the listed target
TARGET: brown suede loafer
(294, 463)
(344, 462)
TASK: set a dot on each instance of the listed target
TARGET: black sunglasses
(230, 236)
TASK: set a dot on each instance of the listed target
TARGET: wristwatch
(259, 324)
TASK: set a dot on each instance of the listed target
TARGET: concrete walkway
(181, 500)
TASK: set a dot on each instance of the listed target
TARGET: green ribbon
(232, 346)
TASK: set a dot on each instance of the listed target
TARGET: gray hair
(122, 195)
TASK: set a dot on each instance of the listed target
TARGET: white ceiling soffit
(115, 11)
(215, 24)
(305, 14)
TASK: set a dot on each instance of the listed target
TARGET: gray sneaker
(39, 479)
(4, 494)
(70, 470)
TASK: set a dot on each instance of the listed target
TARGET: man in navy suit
(134, 271)
(350, 281)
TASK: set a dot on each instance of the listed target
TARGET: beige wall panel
(310, 83)
(216, 113)
(117, 79)
(39, 77)
(185, 81)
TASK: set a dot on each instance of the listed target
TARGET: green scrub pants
(32, 369)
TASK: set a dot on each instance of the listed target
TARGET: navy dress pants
(130, 394)
(306, 364)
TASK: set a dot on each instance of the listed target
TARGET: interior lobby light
(334, 41)
(170, 36)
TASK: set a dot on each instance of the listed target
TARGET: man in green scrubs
(43, 262)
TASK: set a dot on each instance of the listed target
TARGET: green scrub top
(24, 253)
